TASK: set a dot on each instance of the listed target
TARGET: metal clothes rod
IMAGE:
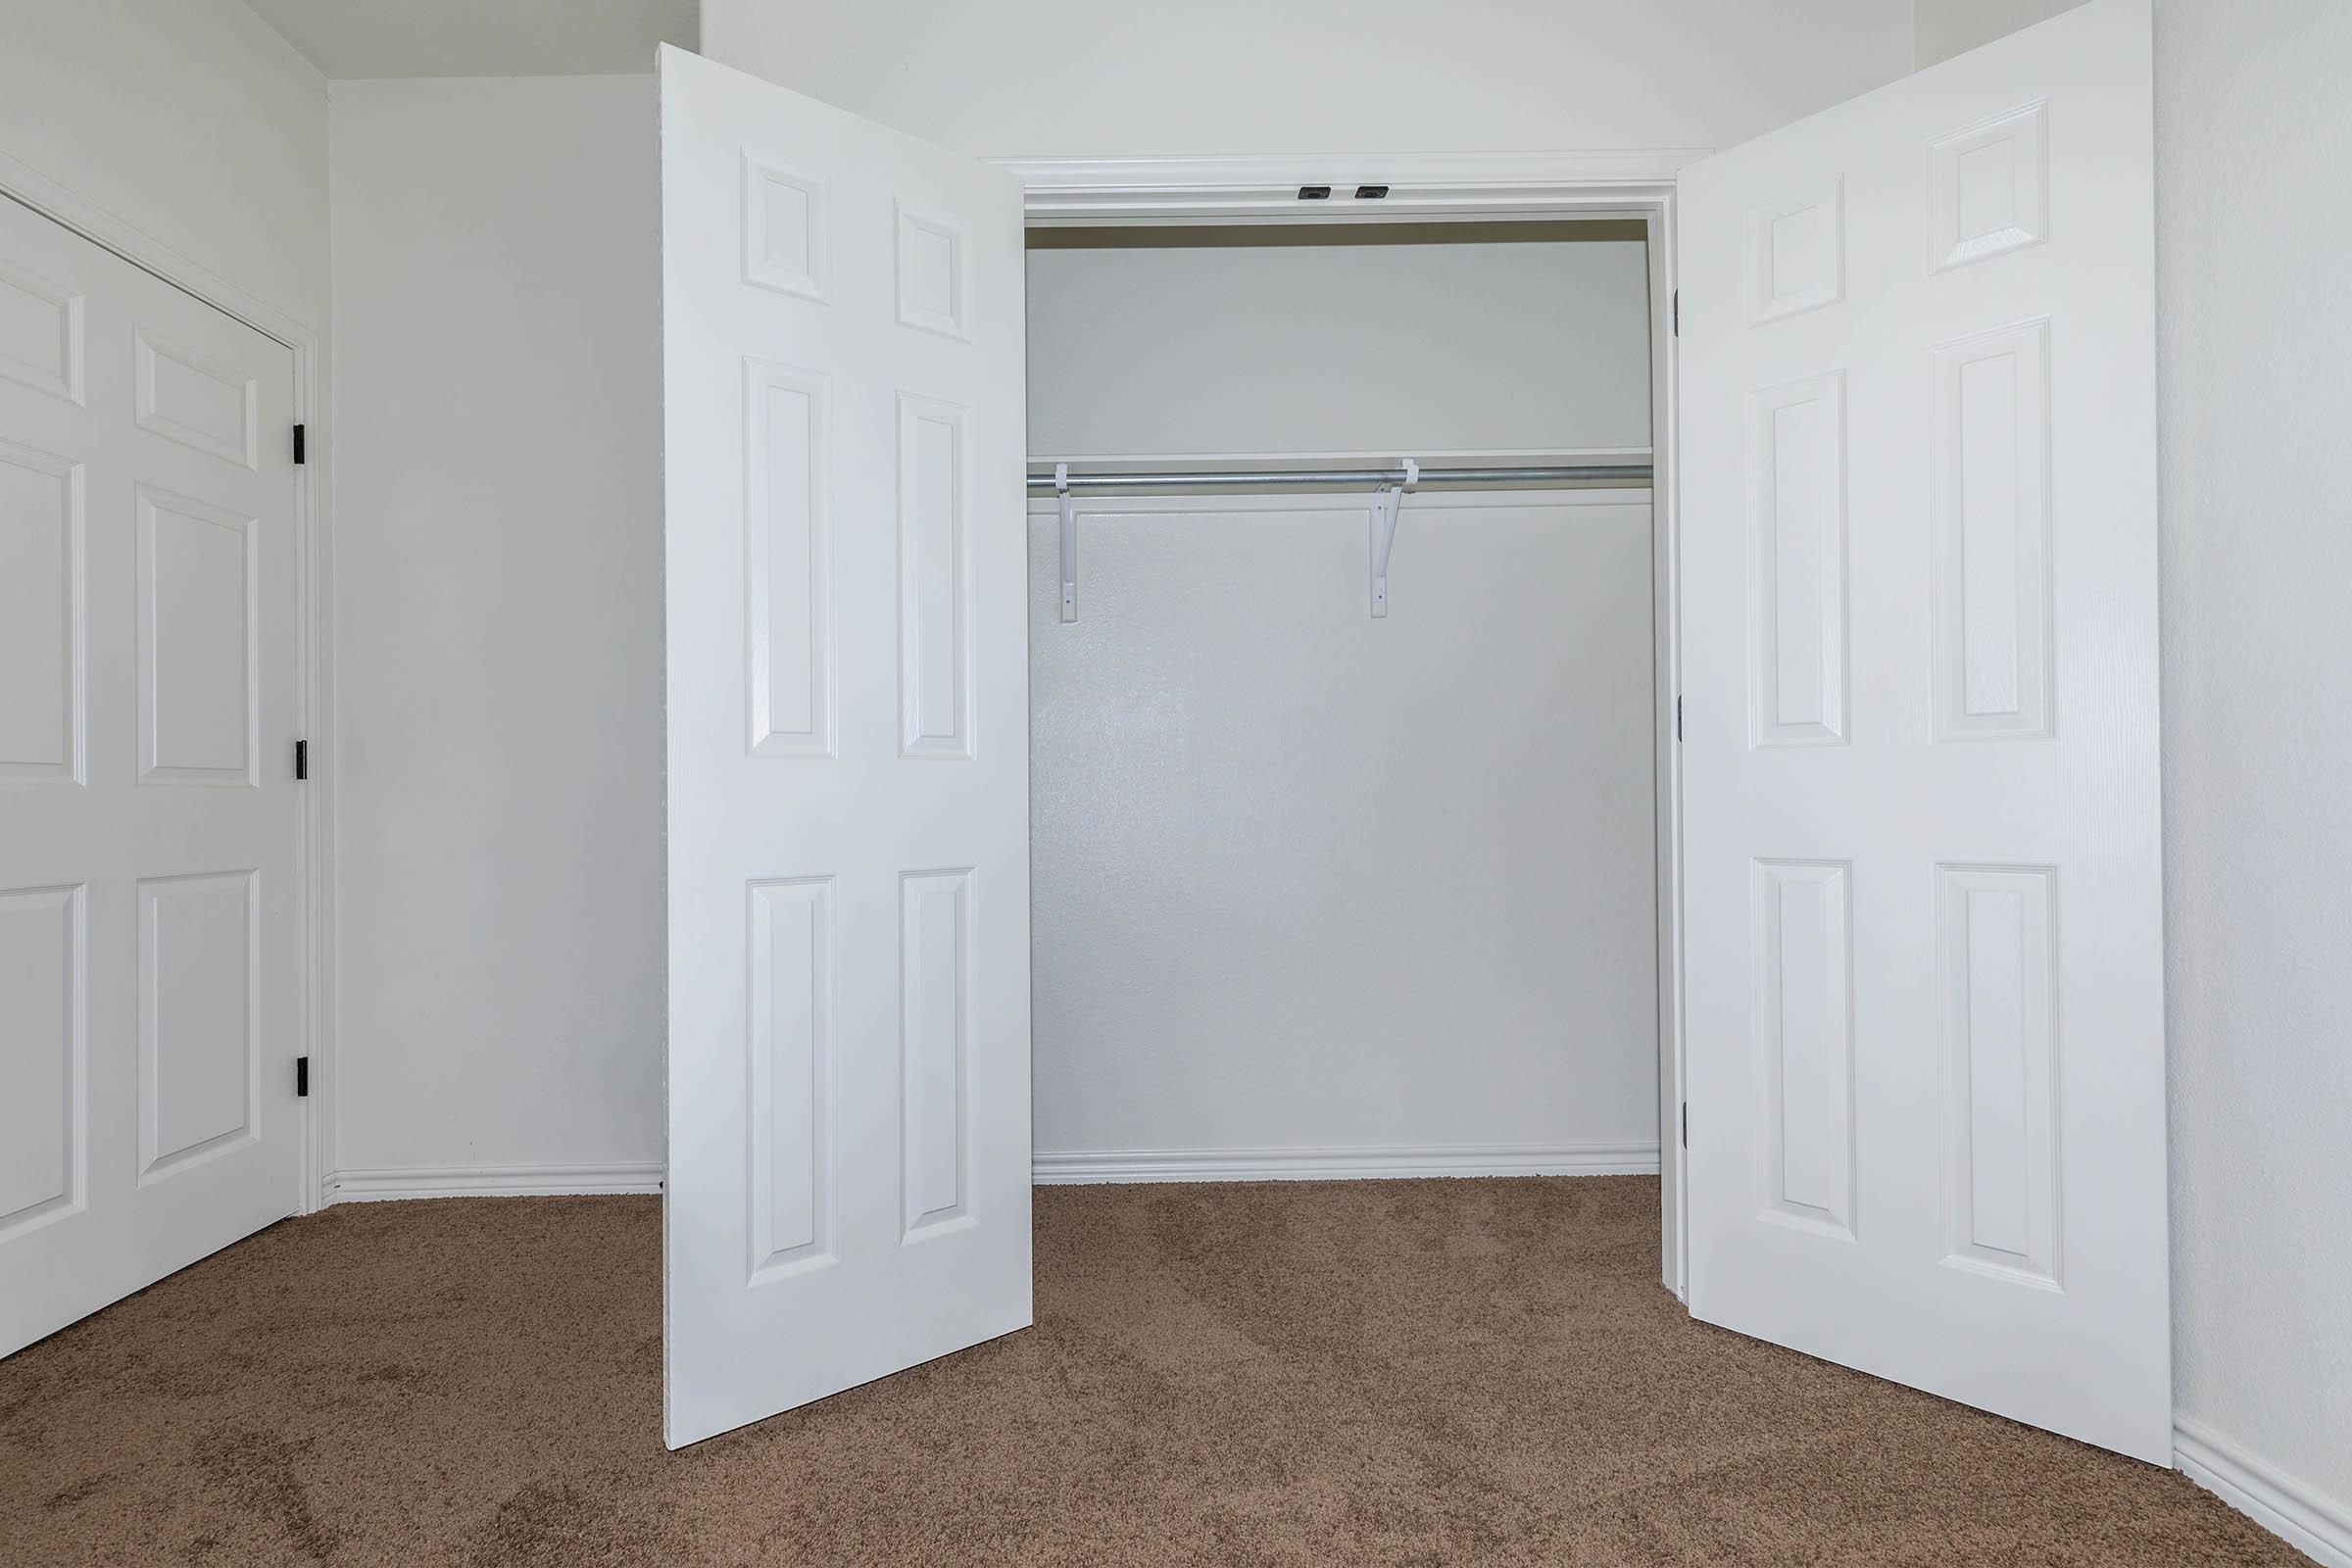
(1626, 474)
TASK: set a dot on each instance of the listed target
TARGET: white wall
(498, 622)
(190, 120)
(1301, 878)
(1400, 349)
(2254, 222)
(2254, 326)
(1064, 77)
(1947, 28)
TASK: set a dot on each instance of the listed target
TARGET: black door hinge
(298, 445)
(302, 758)
(302, 1077)
(1678, 719)
(1678, 327)
(1685, 1119)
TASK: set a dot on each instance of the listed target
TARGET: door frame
(314, 643)
(1640, 185)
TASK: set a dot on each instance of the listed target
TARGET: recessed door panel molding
(1997, 991)
(788, 531)
(41, 612)
(40, 332)
(1990, 525)
(784, 236)
(1804, 1023)
(1796, 252)
(197, 401)
(1988, 1222)
(1991, 185)
(199, 640)
(44, 1066)
(1797, 552)
(791, 1061)
(199, 1042)
(933, 292)
(935, 1050)
(935, 578)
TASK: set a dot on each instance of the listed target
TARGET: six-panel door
(847, 1185)
(148, 816)
(1925, 1005)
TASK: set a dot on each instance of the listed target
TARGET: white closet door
(1925, 1023)
(847, 1190)
(148, 809)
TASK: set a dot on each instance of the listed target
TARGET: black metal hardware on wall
(298, 445)
(302, 1077)
(1370, 193)
(302, 758)
(1315, 193)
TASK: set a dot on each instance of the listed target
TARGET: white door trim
(314, 642)
(1639, 184)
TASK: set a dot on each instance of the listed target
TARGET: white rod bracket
(1385, 502)
(1069, 543)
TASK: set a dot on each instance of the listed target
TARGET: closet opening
(1351, 709)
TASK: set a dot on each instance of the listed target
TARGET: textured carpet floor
(1355, 1373)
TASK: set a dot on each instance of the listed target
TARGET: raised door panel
(40, 332)
(789, 560)
(199, 1039)
(187, 396)
(792, 1077)
(41, 612)
(43, 1056)
(199, 636)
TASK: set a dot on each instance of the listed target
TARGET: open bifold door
(848, 1188)
(1924, 937)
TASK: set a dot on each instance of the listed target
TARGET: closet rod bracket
(1386, 501)
(1069, 543)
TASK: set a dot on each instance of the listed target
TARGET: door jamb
(314, 642)
(1060, 193)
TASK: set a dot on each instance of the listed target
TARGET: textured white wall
(187, 119)
(2254, 223)
(1078, 77)
(498, 622)
(1302, 878)
(1947, 28)
(1406, 350)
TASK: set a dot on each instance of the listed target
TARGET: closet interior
(1338, 870)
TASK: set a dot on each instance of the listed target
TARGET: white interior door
(848, 733)
(1925, 990)
(148, 816)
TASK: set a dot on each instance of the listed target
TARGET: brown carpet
(1355, 1373)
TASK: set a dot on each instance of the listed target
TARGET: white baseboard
(1067, 1167)
(491, 1181)
(2318, 1526)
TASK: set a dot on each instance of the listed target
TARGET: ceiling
(347, 40)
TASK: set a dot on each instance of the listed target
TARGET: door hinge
(302, 1077)
(1685, 1119)
(299, 456)
(302, 758)
(1677, 308)
(1678, 719)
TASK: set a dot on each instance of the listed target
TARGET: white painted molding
(492, 1181)
(1092, 189)
(2318, 1526)
(1070, 1168)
